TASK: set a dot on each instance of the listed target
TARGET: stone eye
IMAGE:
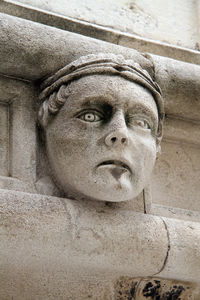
(90, 117)
(138, 121)
(142, 123)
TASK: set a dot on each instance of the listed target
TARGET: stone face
(179, 82)
(103, 141)
(180, 91)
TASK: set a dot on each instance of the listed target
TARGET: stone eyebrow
(142, 108)
(100, 100)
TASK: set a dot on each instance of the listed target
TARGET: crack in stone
(144, 201)
(15, 77)
(168, 249)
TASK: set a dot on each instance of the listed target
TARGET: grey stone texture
(175, 22)
(112, 35)
(59, 248)
(101, 118)
(175, 80)
(53, 247)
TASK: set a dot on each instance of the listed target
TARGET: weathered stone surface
(46, 49)
(184, 240)
(129, 40)
(4, 140)
(106, 127)
(49, 244)
(180, 84)
(183, 131)
(19, 125)
(174, 212)
(146, 19)
(56, 248)
(176, 176)
(155, 289)
(171, 75)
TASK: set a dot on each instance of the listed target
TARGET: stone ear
(43, 114)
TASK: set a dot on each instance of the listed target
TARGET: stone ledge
(175, 213)
(48, 236)
(30, 51)
(99, 32)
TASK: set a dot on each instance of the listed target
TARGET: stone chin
(102, 186)
(115, 183)
(111, 180)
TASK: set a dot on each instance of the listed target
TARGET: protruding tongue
(118, 171)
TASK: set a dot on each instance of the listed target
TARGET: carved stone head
(102, 118)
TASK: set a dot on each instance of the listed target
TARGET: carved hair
(54, 92)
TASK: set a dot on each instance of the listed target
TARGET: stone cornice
(103, 33)
(30, 51)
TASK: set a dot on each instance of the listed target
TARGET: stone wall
(174, 22)
(56, 248)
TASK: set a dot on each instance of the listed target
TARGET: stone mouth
(115, 163)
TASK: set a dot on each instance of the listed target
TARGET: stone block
(18, 137)
(175, 181)
(4, 140)
(146, 19)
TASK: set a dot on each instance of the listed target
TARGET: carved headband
(104, 64)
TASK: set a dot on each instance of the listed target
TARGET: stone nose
(117, 137)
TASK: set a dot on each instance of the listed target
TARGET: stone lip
(48, 236)
(116, 163)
